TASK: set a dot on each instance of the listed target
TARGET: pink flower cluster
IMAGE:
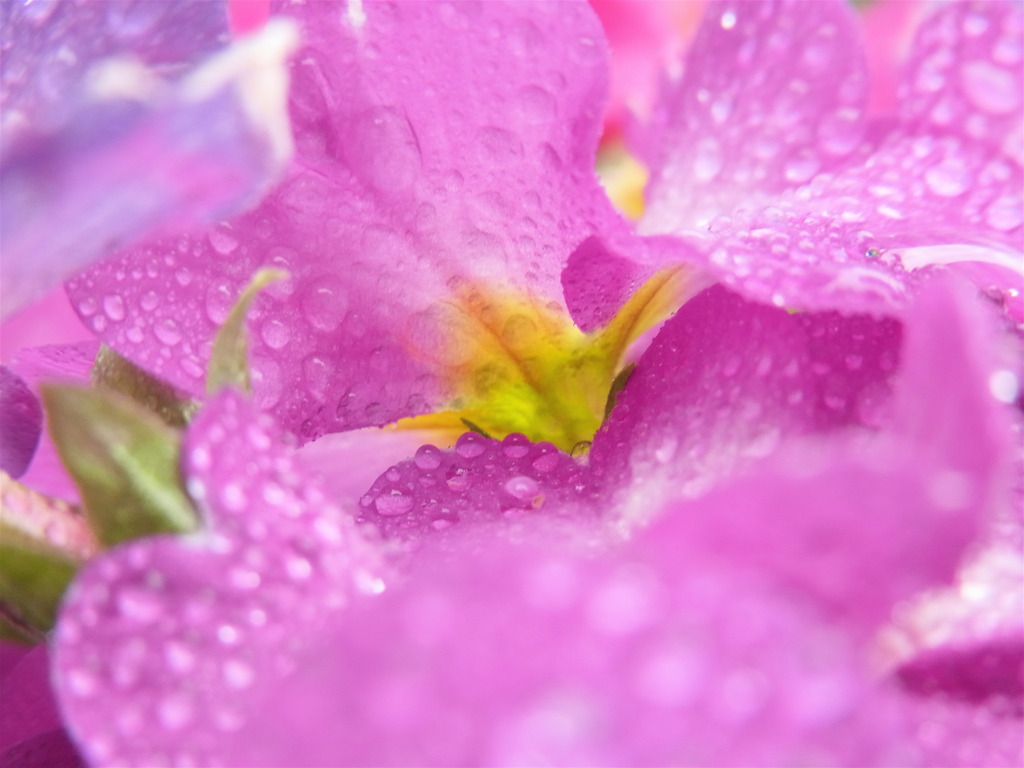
(796, 539)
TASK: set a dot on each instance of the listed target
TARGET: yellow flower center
(513, 363)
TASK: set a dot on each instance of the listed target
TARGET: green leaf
(42, 543)
(118, 374)
(124, 460)
(229, 362)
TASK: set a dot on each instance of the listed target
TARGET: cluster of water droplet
(161, 643)
(479, 480)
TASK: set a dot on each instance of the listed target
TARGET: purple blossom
(796, 538)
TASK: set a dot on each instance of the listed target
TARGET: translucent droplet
(393, 504)
(223, 241)
(1004, 386)
(238, 674)
(325, 303)
(948, 178)
(990, 87)
(275, 334)
(522, 487)
(708, 160)
(1005, 214)
(469, 446)
(427, 458)
(175, 711)
(728, 20)
(458, 478)
(113, 306)
(167, 332)
(382, 149)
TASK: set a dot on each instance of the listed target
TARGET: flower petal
(224, 609)
(92, 117)
(21, 417)
(965, 74)
(727, 380)
(534, 654)
(424, 170)
(772, 93)
(479, 481)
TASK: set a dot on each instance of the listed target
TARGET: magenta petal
(52, 749)
(21, 419)
(965, 74)
(534, 655)
(67, 363)
(727, 380)
(440, 148)
(110, 127)
(166, 646)
(771, 94)
(28, 706)
(479, 481)
(850, 240)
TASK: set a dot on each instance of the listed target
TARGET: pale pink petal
(167, 645)
(441, 149)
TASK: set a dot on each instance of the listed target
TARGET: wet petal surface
(166, 645)
(401, 198)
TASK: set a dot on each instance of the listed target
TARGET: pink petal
(534, 654)
(91, 118)
(21, 418)
(28, 708)
(966, 74)
(67, 363)
(441, 149)
(166, 646)
(46, 750)
(479, 481)
(727, 380)
(771, 94)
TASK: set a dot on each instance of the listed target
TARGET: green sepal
(229, 361)
(113, 372)
(42, 543)
(124, 460)
(33, 578)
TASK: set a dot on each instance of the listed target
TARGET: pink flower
(743, 565)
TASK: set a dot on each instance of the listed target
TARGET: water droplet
(299, 568)
(223, 240)
(228, 634)
(840, 132)
(728, 20)
(139, 605)
(522, 487)
(238, 674)
(427, 458)
(179, 658)
(801, 168)
(1004, 386)
(470, 445)
(708, 160)
(393, 504)
(81, 683)
(1005, 214)
(382, 149)
(150, 300)
(87, 307)
(113, 306)
(458, 478)
(325, 303)
(991, 88)
(536, 104)
(167, 332)
(948, 178)
(175, 711)
(275, 334)
(498, 146)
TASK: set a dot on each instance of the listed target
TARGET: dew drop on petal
(522, 487)
(948, 178)
(991, 88)
(1004, 386)
(393, 504)
(428, 457)
(113, 307)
